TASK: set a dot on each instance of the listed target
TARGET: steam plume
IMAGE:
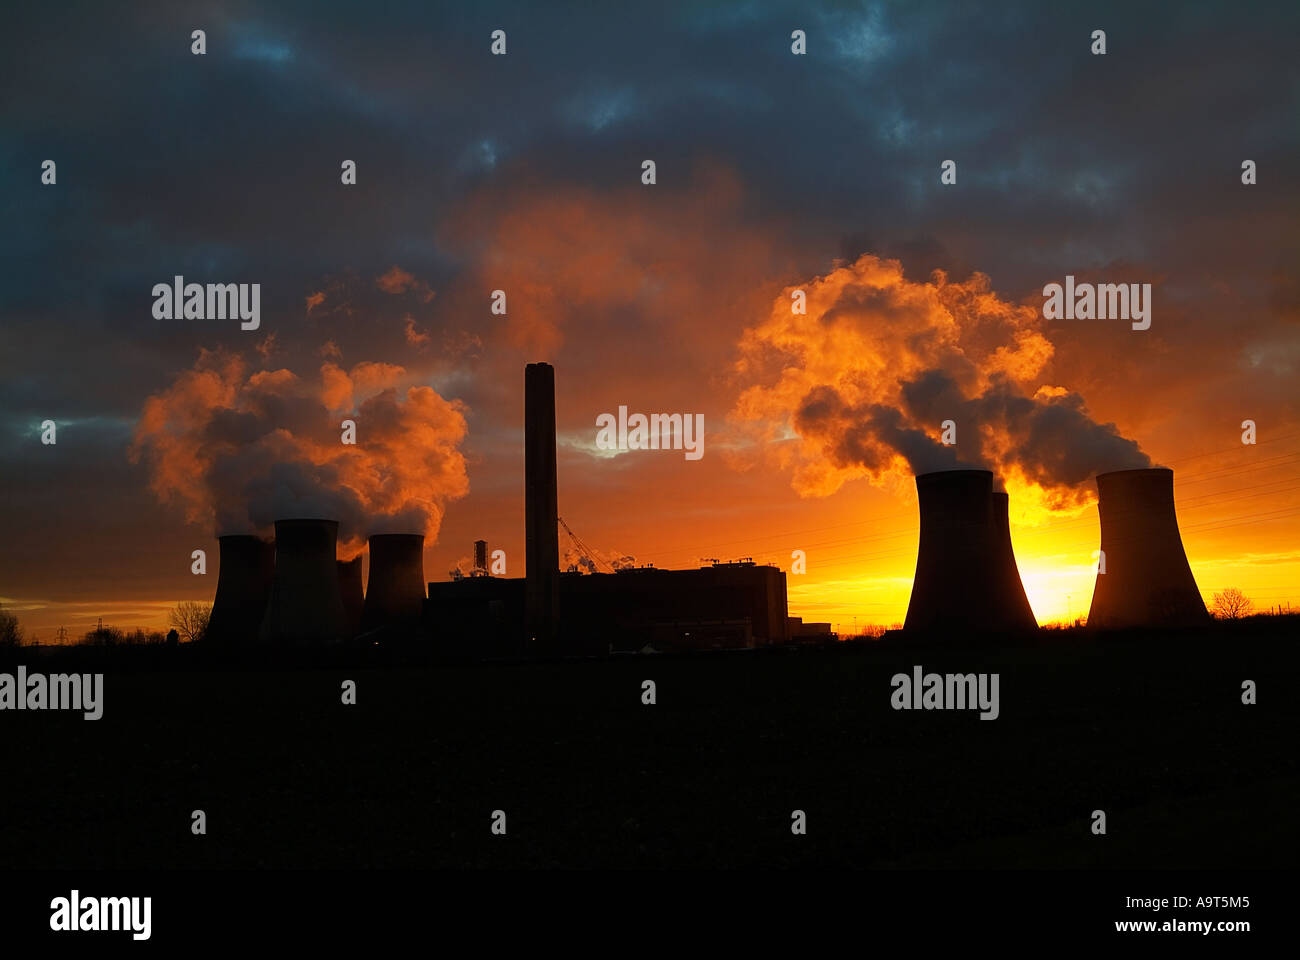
(865, 378)
(241, 450)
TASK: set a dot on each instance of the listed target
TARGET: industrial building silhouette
(554, 613)
(295, 592)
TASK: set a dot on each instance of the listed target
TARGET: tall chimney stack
(1147, 580)
(541, 512)
(243, 586)
(350, 591)
(395, 590)
(305, 607)
(480, 555)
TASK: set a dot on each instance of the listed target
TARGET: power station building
(549, 613)
(295, 592)
(722, 606)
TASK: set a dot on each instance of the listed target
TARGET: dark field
(1150, 729)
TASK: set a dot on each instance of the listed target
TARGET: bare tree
(1232, 604)
(104, 637)
(190, 618)
(10, 634)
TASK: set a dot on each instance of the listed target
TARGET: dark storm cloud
(226, 167)
(154, 143)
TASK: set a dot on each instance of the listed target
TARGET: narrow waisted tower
(243, 586)
(1147, 580)
(966, 578)
(350, 591)
(1009, 588)
(305, 606)
(395, 590)
(541, 511)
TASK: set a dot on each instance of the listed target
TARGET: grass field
(1150, 729)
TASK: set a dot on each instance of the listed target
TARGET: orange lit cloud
(267, 346)
(860, 384)
(241, 450)
(593, 264)
(415, 338)
(397, 280)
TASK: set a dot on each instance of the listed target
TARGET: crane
(583, 550)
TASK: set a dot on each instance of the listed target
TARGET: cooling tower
(1147, 580)
(541, 513)
(395, 591)
(305, 607)
(1009, 588)
(243, 585)
(966, 577)
(350, 591)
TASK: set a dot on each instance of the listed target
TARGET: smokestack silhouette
(305, 606)
(1147, 580)
(1010, 589)
(966, 577)
(541, 512)
(395, 591)
(480, 555)
(243, 586)
(350, 591)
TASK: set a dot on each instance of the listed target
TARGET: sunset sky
(522, 173)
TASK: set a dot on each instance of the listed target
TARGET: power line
(1183, 481)
(1185, 505)
(1056, 527)
(1217, 523)
(1277, 461)
(1215, 453)
(1188, 505)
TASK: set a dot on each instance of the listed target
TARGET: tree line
(188, 621)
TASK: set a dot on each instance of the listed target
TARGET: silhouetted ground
(1150, 729)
